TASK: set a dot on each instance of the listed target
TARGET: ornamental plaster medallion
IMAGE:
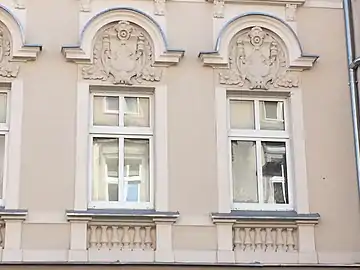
(7, 69)
(122, 54)
(257, 60)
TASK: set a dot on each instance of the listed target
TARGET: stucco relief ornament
(122, 54)
(7, 69)
(257, 61)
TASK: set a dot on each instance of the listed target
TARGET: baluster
(142, 238)
(2, 235)
(279, 240)
(148, 240)
(109, 236)
(126, 239)
(237, 239)
(242, 239)
(137, 239)
(98, 237)
(92, 236)
(290, 240)
(263, 239)
(269, 240)
(104, 239)
(115, 237)
(120, 231)
(153, 237)
(248, 242)
(257, 239)
(132, 236)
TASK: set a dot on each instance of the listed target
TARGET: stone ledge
(123, 214)
(265, 216)
(15, 214)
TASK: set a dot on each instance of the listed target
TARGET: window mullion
(257, 114)
(259, 172)
(121, 183)
(121, 110)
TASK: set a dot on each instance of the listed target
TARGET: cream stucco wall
(49, 123)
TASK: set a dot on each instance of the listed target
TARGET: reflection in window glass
(3, 107)
(137, 170)
(274, 172)
(102, 113)
(242, 114)
(105, 169)
(272, 115)
(245, 187)
(137, 112)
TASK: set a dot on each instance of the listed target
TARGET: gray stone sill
(122, 215)
(14, 214)
(237, 216)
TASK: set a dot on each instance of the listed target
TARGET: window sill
(15, 214)
(237, 216)
(122, 214)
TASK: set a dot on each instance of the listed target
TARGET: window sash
(121, 180)
(259, 135)
(257, 131)
(121, 113)
(121, 132)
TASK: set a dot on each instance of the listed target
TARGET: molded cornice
(264, 2)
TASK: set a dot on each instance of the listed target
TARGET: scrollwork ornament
(7, 69)
(122, 54)
(257, 60)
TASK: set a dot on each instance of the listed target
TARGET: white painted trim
(82, 142)
(297, 176)
(12, 180)
(20, 51)
(323, 4)
(297, 143)
(121, 133)
(83, 53)
(223, 177)
(160, 185)
(219, 58)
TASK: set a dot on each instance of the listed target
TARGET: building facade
(176, 133)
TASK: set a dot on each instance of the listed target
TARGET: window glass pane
(3, 104)
(274, 172)
(106, 111)
(136, 170)
(137, 112)
(242, 114)
(272, 115)
(105, 169)
(245, 187)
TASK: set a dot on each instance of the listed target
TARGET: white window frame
(257, 135)
(5, 131)
(298, 168)
(121, 132)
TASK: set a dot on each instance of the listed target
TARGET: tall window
(259, 148)
(4, 130)
(121, 150)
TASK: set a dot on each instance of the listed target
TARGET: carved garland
(7, 69)
(122, 54)
(257, 61)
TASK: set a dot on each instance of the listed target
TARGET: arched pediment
(12, 45)
(84, 52)
(257, 50)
